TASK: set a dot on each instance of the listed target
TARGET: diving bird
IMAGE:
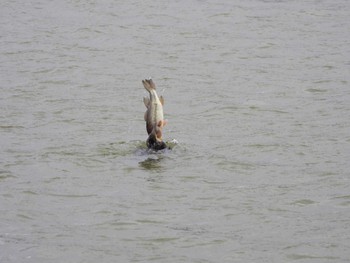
(154, 116)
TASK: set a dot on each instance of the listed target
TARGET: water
(256, 94)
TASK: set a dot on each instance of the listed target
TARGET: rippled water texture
(256, 94)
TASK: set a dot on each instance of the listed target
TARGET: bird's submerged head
(155, 141)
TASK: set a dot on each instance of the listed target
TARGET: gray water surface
(256, 94)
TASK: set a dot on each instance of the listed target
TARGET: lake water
(256, 94)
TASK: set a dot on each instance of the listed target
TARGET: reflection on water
(151, 163)
(154, 159)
